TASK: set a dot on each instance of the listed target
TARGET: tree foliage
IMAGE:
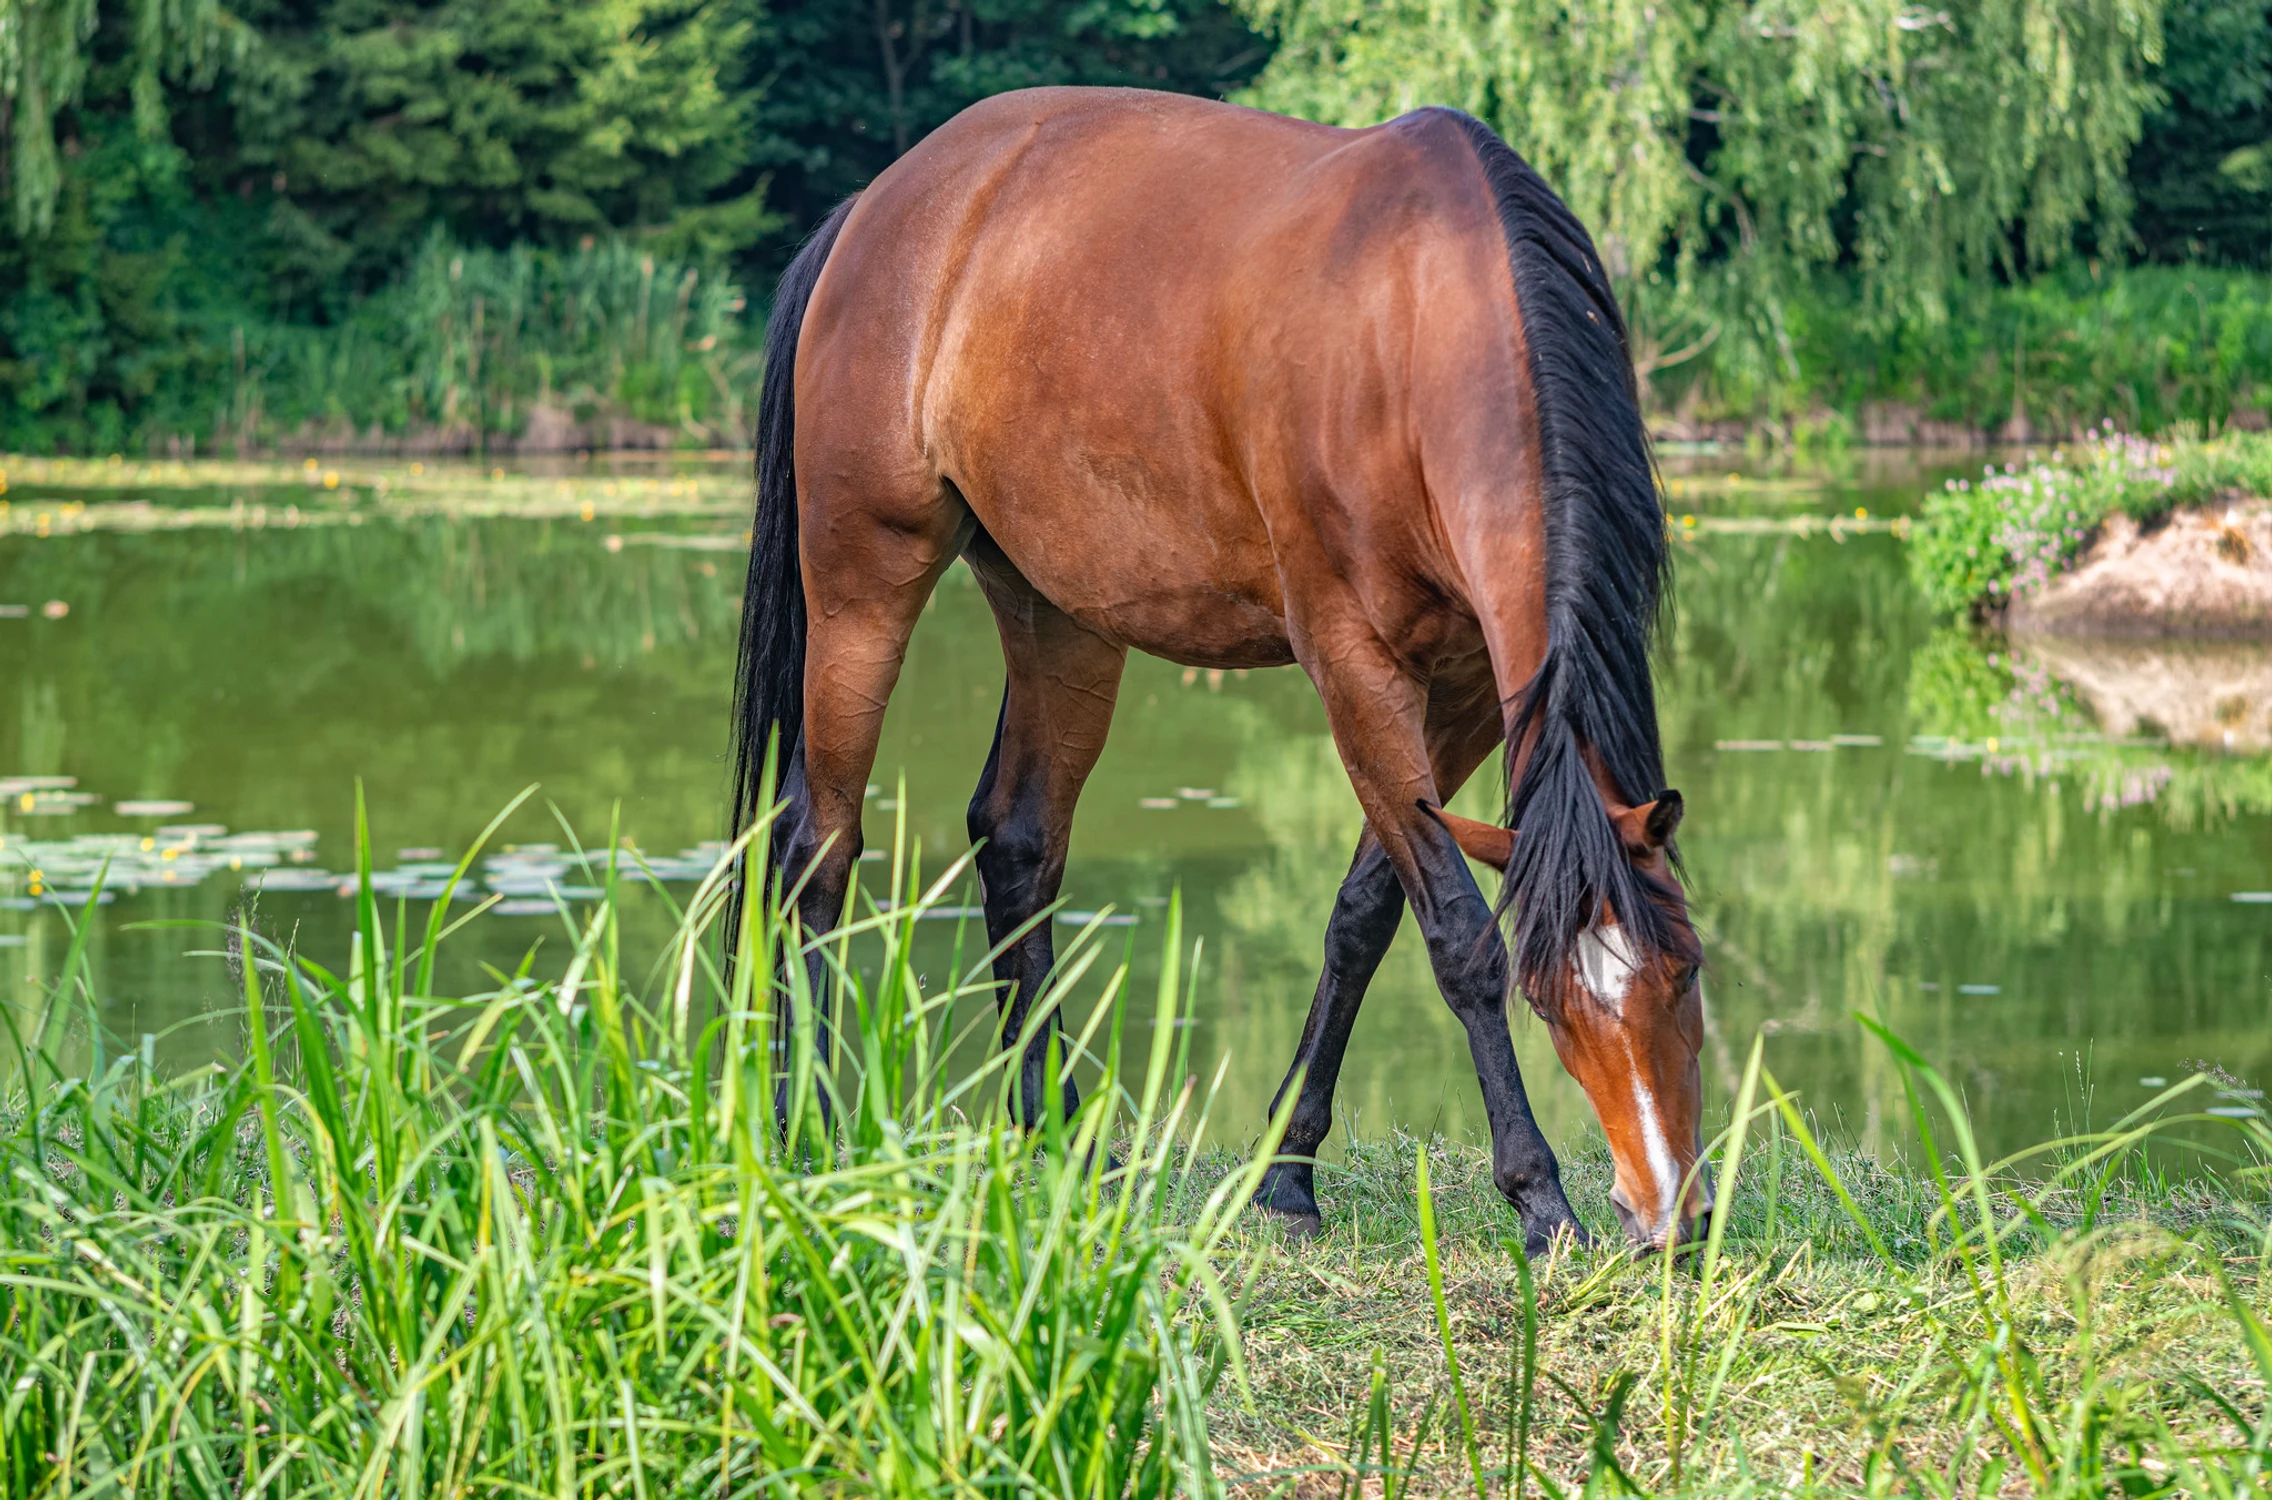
(216, 211)
(47, 54)
(205, 198)
(858, 81)
(365, 123)
(2203, 168)
(1729, 151)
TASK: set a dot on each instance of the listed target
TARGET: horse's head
(1629, 1028)
(1628, 1021)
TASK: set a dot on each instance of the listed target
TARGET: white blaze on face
(1662, 1167)
(1606, 965)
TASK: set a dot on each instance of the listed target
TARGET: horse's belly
(1185, 581)
(1211, 631)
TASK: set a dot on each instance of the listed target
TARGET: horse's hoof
(1297, 1227)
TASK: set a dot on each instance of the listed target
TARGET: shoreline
(1878, 426)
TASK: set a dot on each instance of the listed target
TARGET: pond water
(2049, 867)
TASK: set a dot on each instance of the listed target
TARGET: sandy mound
(2217, 695)
(2202, 572)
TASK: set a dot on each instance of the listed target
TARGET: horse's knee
(803, 854)
(1013, 849)
(1364, 921)
(820, 858)
(982, 817)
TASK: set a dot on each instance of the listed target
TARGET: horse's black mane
(1607, 574)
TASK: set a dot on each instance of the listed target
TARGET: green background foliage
(224, 221)
(1748, 145)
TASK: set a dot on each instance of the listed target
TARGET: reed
(555, 1237)
(2150, 348)
(467, 349)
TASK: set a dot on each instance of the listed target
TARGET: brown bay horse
(1239, 391)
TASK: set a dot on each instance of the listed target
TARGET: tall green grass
(2148, 347)
(467, 343)
(552, 1237)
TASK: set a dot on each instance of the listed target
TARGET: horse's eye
(1685, 980)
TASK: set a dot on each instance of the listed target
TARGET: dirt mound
(2203, 572)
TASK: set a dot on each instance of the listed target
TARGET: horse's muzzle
(1651, 1238)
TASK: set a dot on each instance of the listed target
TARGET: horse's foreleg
(1365, 917)
(1057, 703)
(1377, 712)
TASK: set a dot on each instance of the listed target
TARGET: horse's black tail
(769, 681)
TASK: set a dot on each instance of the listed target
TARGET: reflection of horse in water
(1239, 390)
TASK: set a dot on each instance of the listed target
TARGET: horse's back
(1110, 317)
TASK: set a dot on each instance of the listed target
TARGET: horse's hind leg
(1365, 917)
(868, 570)
(1056, 709)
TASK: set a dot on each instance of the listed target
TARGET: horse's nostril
(1635, 1230)
(1647, 1237)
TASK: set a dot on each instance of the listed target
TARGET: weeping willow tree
(1726, 153)
(47, 50)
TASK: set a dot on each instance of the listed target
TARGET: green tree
(51, 49)
(1724, 153)
(114, 277)
(2203, 169)
(367, 122)
(198, 194)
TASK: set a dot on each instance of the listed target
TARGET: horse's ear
(1487, 842)
(1651, 826)
(1664, 818)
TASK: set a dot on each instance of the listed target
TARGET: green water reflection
(2047, 912)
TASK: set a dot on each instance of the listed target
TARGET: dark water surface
(1998, 849)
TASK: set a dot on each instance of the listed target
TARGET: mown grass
(577, 1234)
(1813, 1362)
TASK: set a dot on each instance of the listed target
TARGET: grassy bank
(1839, 1346)
(2146, 347)
(547, 1238)
(477, 351)
(466, 350)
